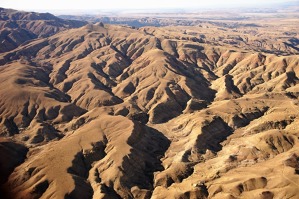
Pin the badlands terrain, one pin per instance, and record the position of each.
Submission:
(94, 110)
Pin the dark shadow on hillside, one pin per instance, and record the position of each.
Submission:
(11, 155)
(79, 170)
(148, 147)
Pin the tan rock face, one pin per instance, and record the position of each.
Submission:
(107, 111)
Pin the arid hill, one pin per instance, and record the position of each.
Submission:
(108, 111)
(261, 33)
(17, 27)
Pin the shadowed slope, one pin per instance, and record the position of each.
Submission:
(18, 27)
(118, 112)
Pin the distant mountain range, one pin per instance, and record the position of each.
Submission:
(17, 27)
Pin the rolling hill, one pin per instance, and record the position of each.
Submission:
(110, 111)
(18, 27)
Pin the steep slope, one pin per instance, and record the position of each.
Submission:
(101, 156)
(118, 112)
(17, 27)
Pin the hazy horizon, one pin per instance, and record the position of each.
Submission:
(76, 5)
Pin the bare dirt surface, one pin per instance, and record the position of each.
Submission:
(113, 111)
(17, 27)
